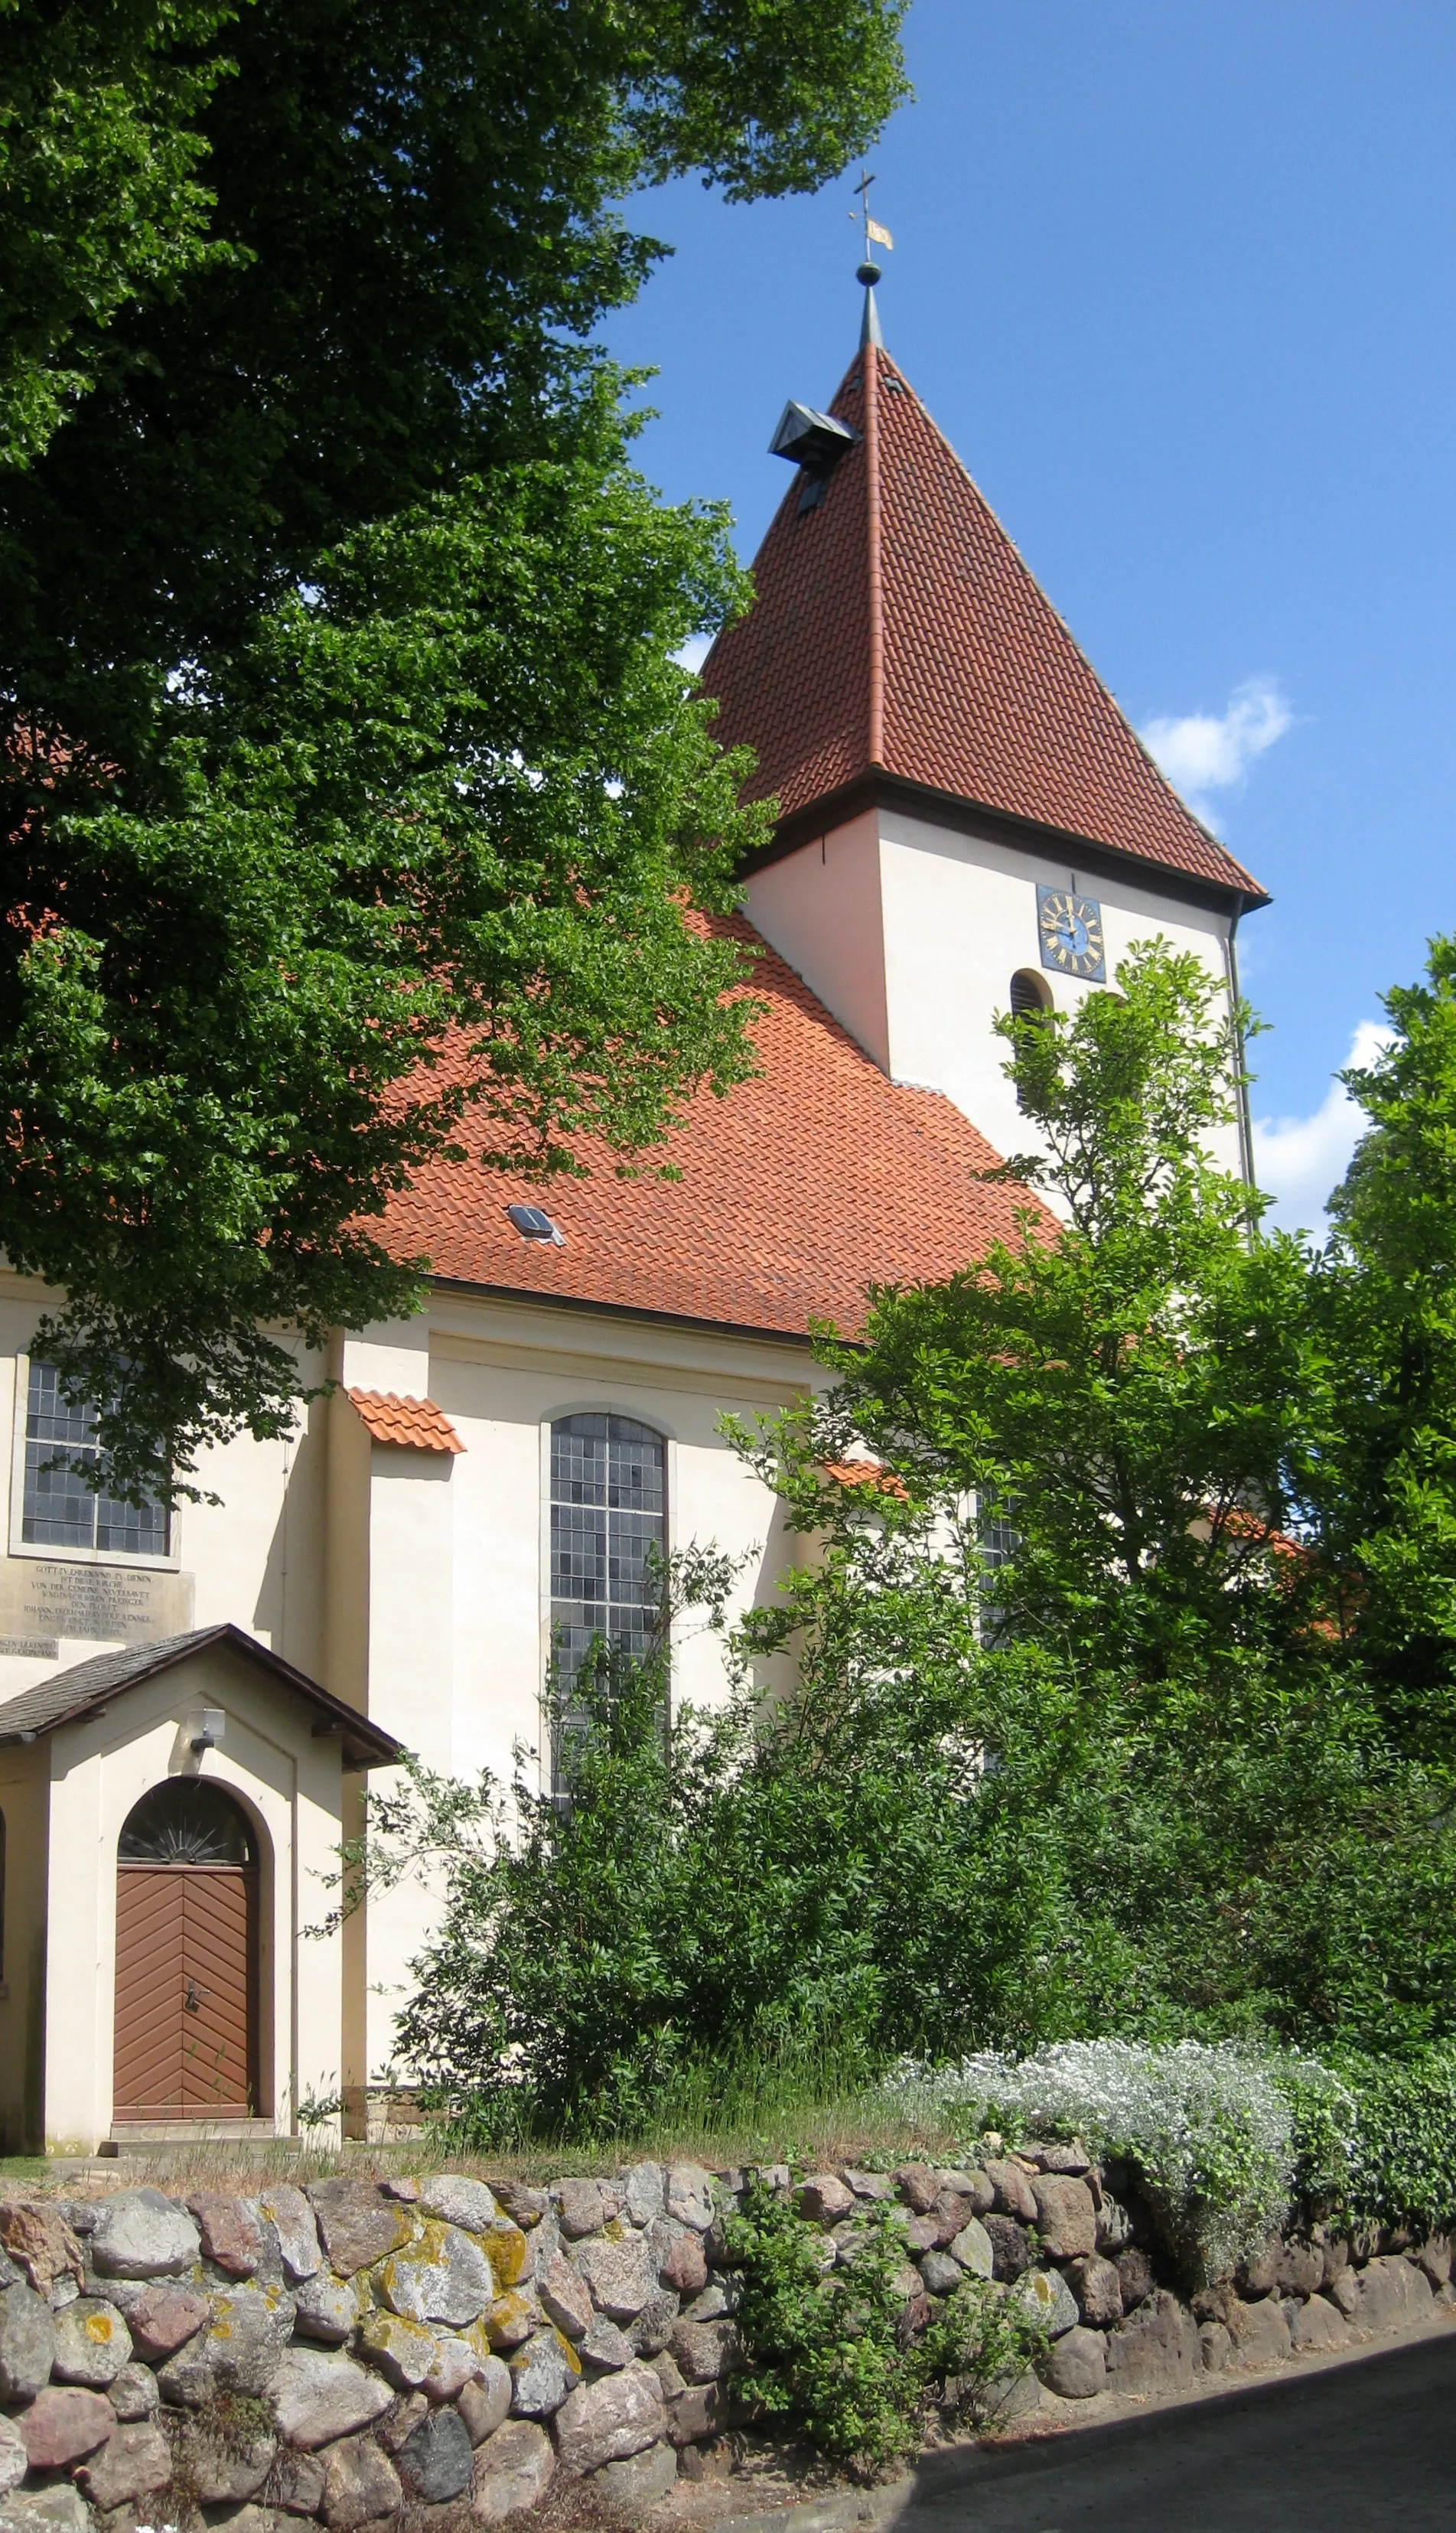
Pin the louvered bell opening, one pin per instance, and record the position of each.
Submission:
(1028, 995)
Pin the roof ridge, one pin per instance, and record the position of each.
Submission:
(870, 366)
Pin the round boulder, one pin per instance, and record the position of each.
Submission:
(513, 2472)
(441, 2276)
(27, 2343)
(1076, 2365)
(63, 2426)
(143, 2235)
(434, 2460)
(318, 2396)
(457, 2200)
(92, 2343)
(1047, 2297)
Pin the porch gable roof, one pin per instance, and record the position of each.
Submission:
(87, 1687)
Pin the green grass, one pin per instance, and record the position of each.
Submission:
(755, 2115)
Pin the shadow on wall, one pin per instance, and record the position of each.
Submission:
(288, 1612)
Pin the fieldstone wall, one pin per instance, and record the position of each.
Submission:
(358, 2351)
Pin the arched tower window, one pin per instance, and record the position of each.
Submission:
(1029, 994)
(1031, 999)
(608, 1515)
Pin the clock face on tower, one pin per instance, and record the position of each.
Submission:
(1070, 931)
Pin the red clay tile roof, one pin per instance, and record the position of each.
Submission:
(865, 1474)
(416, 1423)
(798, 1191)
(981, 692)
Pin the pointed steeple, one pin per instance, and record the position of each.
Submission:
(898, 639)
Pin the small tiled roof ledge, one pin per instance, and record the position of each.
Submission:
(411, 1424)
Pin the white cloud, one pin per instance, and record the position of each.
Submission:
(1301, 1161)
(1203, 753)
(694, 651)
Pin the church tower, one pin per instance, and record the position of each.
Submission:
(967, 820)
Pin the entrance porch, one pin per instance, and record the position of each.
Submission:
(170, 1817)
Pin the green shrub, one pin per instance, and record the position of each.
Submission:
(829, 2355)
(1402, 2152)
(1323, 2123)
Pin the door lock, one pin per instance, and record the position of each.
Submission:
(194, 2001)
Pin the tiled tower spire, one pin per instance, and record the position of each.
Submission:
(897, 636)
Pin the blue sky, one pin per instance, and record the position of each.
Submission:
(1178, 282)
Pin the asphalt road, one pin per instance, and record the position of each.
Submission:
(1353, 2449)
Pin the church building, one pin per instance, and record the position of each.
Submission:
(190, 1703)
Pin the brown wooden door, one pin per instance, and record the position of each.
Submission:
(186, 1991)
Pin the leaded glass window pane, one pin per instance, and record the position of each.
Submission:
(997, 1541)
(608, 1522)
(60, 1509)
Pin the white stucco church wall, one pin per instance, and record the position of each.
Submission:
(911, 934)
(457, 1584)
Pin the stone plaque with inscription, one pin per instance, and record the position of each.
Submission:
(117, 1605)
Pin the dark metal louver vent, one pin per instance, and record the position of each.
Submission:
(814, 440)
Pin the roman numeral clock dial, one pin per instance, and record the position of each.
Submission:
(1071, 932)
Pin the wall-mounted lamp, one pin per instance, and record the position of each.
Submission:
(209, 1728)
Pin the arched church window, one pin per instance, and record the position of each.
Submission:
(608, 1531)
(187, 1821)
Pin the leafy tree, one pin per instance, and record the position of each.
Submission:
(1135, 1384)
(1385, 1487)
(924, 1848)
(100, 152)
(415, 853)
(351, 803)
(414, 234)
(1137, 1781)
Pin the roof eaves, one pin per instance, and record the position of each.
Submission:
(881, 789)
(801, 1338)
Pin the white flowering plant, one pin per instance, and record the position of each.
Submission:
(1223, 2137)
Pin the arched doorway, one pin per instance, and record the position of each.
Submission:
(187, 1987)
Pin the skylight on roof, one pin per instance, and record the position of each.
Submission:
(533, 1223)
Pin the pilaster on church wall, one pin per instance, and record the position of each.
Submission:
(821, 908)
